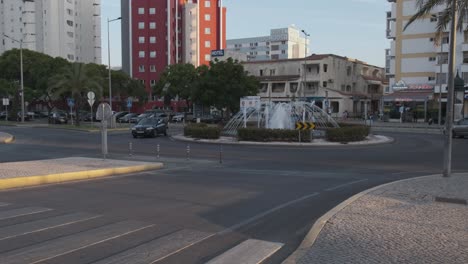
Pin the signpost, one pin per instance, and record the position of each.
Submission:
(103, 113)
(129, 103)
(6, 103)
(217, 53)
(71, 103)
(91, 100)
(303, 126)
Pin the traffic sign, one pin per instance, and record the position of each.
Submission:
(6, 101)
(129, 102)
(91, 95)
(71, 102)
(91, 102)
(305, 126)
(103, 111)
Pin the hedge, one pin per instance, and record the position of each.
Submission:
(267, 135)
(348, 133)
(202, 131)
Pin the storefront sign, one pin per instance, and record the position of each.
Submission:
(401, 85)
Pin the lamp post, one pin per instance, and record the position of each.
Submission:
(306, 35)
(108, 57)
(21, 70)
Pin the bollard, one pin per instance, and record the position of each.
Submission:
(130, 149)
(157, 151)
(220, 154)
(188, 152)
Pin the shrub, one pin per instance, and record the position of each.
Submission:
(348, 133)
(202, 131)
(266, 135)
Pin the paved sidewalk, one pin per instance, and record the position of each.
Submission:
(6, 138)
(396, 223)
(39, 172)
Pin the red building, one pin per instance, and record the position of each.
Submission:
(158, 33)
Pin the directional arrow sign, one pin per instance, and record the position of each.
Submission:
(305, 126)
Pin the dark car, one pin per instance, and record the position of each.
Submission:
(149, 127)
(58, 118)
(209, 119)
(137, 119)
(120, 114)
(26, 116)
(126, 118)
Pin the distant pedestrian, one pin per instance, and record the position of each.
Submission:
(415, 116)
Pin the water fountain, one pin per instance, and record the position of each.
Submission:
(279, 116)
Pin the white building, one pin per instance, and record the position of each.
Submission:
(282, 43)
(70, 29)
(347, 84)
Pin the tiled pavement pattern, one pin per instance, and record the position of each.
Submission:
(399, 223)
(45, 235)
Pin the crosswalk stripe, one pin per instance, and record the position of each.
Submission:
(251, 251)
(158, 249)
(64, 245)
(22, 212)
(43, 224)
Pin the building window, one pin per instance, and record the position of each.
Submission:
(141, 68)
(141, 54)
(152, 68)
(431, 78)
(432, 58)
(141, 25)
(152, 40)
(283, 42)
(207, 31)
(261, 72)
(325, 67)
(70, 34)
(69, 22)
(207, 57)
(207, 44)
(283, 52)
(152, 11)
(152, 82)
(465, 57)
(207, 3)
(141, 10)
(433, 18)
(348, 71)
(152, 25)
(207, 17)
(152, 54)
(141, 40)
(272, 72)
(324, 84)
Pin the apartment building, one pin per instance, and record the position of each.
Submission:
(282, 43)
(70, 29)
(156, 34)
(334, 82)
(415, 60)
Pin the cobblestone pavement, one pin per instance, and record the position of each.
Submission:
(55, 166)
(399, 223)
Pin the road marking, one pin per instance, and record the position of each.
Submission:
(251, 251)
(258, 216)
(68, 244)
(43, 224)
(344, 185)
(158, 249)
(4, 204)
(22, 212)
(409, 172)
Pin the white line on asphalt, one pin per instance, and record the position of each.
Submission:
(409, 172)
(274, 209)
(344, 185)
(4, 204)
(22, 212)
(92, 244)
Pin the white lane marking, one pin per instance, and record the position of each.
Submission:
(51, 227)
(258, 216)
(409, 172)
(344, 185)
(251, 251)
(93, 244)
(182, 248)
(22, 212)
(4, 204)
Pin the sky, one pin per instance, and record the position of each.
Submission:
(352, 28)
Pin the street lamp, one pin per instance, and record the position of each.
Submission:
(108, 55)
(21, 70)
(306, 35)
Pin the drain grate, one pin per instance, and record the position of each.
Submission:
(451, 200)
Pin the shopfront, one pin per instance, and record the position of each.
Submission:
(411, 104)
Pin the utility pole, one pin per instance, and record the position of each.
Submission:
(450, 94)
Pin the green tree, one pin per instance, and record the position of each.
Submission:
(426, 7)
(75, 81)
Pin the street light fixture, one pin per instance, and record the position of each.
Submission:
(21, 70)
(109, 60)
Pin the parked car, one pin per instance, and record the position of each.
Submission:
(126, 118)
(460, 128)
(210, 119)
(178, 117)
(40, 114)
(120, 114)
(58, 118)
(27, 117)
(137, 119)
(149, 127)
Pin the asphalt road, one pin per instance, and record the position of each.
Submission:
(197, 208)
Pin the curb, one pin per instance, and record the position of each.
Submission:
(314, 232)
(388, 140)
(28, 181)
(8, 138)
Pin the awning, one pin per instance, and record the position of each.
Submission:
(409, 96)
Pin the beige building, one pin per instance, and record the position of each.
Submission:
(341, 83)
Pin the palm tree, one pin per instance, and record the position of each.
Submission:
(425, 8)
(75, 81)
